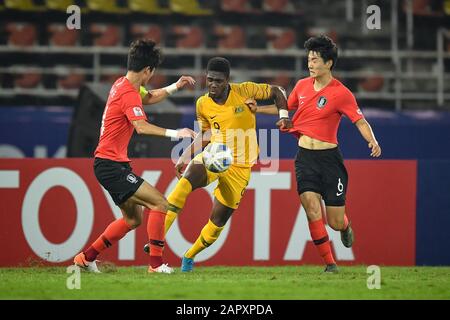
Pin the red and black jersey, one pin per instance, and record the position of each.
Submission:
(123, 106)
(319, 112)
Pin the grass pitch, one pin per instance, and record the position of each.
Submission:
(222, 283)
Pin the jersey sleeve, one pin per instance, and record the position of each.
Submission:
(132, 106)
(201, 117)
(348, 106)
(293, 98)
(258, 91)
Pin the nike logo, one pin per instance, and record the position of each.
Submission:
(339, 193)
(213, 117)
(302, 97)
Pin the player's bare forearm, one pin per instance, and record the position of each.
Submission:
(279, 96)
(155, 96)
(367, 133)
(267, 109)
(143, 127)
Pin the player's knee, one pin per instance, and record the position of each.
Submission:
(161, 205)
(336, 224)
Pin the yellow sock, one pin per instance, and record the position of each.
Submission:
(170, 218)
(177, 199)
(208, 236)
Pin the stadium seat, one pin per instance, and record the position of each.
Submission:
(230, 37)
(106, 35)
(189, 7)
(110, 78)
(23, 5)
(21, 34)
(281, 38)
(188, 37)
(147, 6)
(59, 5)
(61, 36)
(28, 80)
(372, 84)
(106, 6)
(239, 6)
(278, 6)
(147, 31)
(158, 81)
(71, 81)
(282, 80)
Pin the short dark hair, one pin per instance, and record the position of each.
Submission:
(325, 46)
(219, 64)
(142, 54)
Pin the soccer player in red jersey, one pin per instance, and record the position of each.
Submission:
(122, 115)
(320, 101)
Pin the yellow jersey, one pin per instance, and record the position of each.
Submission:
(233, 123)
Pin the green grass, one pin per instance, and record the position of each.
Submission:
(287, 282)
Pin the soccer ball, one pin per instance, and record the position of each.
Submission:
(217, 157)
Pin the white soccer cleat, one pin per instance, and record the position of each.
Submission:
(164, 268)
(90, 266)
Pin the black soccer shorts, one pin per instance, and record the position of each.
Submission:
(117, 178)
(323, 172)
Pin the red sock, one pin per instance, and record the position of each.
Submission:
(320, 238)
(113, 233)
(155, 231)
(345, 223)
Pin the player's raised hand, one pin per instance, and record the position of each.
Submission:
(185, 133)
(284, 124)
(375, 149)
(251, 104)
(183, 81)
(180, 167)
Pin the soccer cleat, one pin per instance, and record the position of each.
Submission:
(347, 236)
(147, 248)
(331, 268)
(187, 264)
(164, 268)
(80, 261)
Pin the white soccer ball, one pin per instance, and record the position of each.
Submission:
(217, 157)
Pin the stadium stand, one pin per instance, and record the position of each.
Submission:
(399, 66)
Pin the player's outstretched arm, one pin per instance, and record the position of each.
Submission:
(367, 133)
(265, 109)
(200, 141)
(157, 95)
(143, 127)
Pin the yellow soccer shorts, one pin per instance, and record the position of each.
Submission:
(232, 183)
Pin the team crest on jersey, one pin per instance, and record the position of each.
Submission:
(238, 109)
(137, 112)
(321, 102)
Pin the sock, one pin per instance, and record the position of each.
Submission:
(320, 238)
(170, 218)
(177, 199)
(345, 223)
(208, 236)
(113, 233)
(155, 231)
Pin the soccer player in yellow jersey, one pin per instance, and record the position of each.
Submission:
(224, 116)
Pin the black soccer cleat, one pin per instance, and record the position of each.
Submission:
(147, 248)
(347, 236)
(331, 268)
